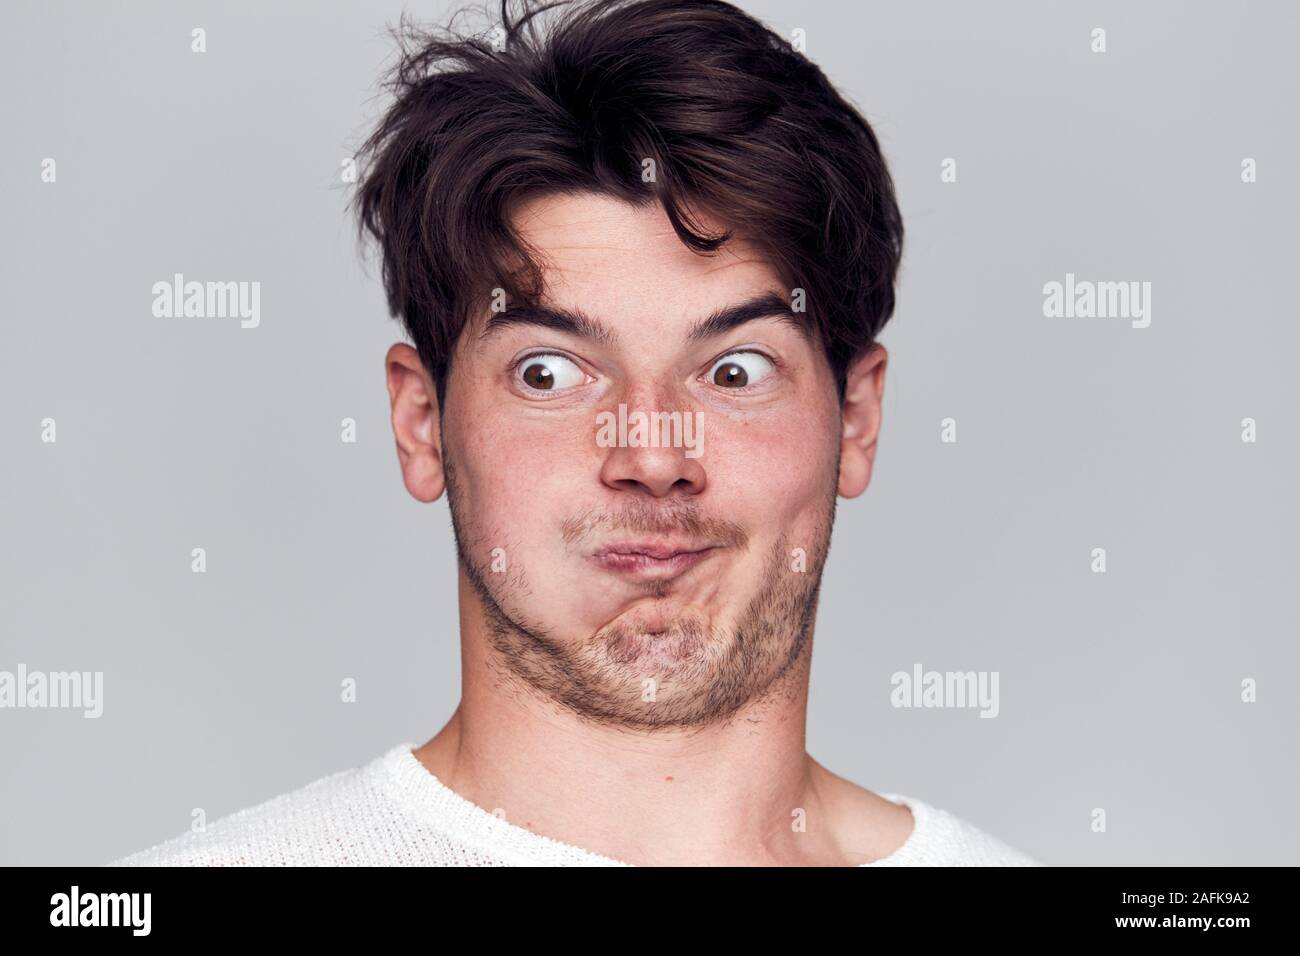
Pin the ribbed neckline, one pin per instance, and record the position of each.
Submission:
(497, 837)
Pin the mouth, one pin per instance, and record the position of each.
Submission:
(652, 560)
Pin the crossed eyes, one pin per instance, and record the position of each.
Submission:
(553, 372)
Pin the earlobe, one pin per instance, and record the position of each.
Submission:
(860, 419)
(415, 420)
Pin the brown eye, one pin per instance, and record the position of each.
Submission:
(539, 376)
(740, 369)
(730, 374)
(549, 373)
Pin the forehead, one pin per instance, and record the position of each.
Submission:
(604, 255)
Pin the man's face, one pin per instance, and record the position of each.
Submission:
(645, 586)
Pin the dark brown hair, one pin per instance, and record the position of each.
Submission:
(739, 125)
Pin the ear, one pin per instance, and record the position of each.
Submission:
(416, 424)
(860, 417)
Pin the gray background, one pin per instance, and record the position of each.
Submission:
(1118, 691)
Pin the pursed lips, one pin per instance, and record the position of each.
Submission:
(652, 559)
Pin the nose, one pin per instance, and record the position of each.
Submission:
(653, 451)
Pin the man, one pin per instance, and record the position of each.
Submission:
(643, 254)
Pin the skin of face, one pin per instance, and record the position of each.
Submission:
(537, 502)
(559, 602)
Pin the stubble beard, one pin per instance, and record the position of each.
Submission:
(690, 675)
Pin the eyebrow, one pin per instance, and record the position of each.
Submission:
(767, 305)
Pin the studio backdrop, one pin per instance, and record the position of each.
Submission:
(1085, 489)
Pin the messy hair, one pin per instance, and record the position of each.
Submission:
(578, 95)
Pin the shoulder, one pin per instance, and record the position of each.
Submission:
(315, 824)
(940, 838)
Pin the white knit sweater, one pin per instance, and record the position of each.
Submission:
(394, 812)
